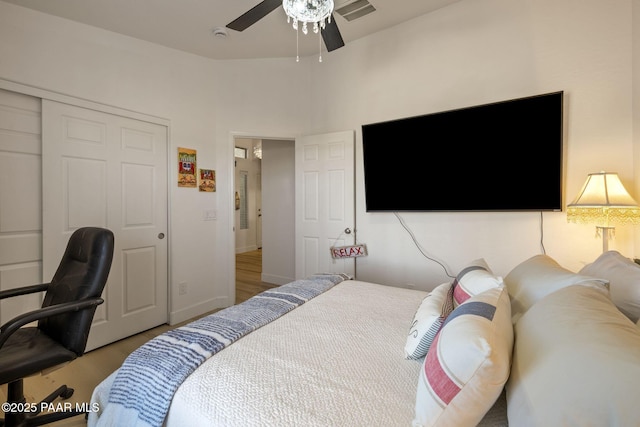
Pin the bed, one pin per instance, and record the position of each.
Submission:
(337, 359)
(535, 349)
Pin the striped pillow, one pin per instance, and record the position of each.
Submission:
(472, 280)
(468, 363)
(427, 321)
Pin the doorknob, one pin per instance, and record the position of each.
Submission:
(161, 236)
(347, 230)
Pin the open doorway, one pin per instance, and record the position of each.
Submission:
(247, 194)
(264, 201)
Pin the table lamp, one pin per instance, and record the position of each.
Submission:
(603, 201)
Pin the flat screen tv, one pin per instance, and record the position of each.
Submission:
(503, 156)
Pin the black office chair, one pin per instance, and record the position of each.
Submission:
(64, 321)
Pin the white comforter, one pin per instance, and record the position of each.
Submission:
(335, 361)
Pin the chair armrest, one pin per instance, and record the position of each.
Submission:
(9, 293)
(42, 313)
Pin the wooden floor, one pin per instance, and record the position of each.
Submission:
(248, 275)
(85, 373)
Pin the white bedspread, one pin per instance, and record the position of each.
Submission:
(143, 387)
(326, 363)
(337, 360)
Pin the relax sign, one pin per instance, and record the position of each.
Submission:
(348, 251)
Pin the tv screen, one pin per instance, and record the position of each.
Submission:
(503, 156)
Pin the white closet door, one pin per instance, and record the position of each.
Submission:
(109, 171)
(20, 201)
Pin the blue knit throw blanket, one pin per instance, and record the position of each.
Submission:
(145, 383)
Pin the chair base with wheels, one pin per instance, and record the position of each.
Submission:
(32, 416)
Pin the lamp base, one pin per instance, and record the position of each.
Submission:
(607, 233)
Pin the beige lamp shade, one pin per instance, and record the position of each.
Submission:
(603, 201)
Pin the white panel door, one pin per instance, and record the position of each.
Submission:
(325, 203)
(109, 171)
(20, 201)
(259, 210)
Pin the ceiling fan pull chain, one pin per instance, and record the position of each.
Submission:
(297, 45)
(320, 46)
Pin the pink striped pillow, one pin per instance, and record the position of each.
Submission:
(468, 362)
(476, 278)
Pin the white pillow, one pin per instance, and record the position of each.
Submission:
(576, 362)
(468, 363)
(624, 281)
(539, 276)
(427, 321)
(472, 280)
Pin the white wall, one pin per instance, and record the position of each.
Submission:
(635, 72)
(62, 56)
(472, 52)
(278, 207)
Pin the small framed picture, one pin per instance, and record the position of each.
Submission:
(207, 180)
(186, 167)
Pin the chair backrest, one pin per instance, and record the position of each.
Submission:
(82, 274)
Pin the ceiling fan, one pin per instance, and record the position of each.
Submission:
(330, 33)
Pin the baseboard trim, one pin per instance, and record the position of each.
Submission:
(276, 280)
(198, 310)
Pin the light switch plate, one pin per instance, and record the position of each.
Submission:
(209, 215)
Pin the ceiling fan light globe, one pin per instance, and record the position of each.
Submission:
(308, 10)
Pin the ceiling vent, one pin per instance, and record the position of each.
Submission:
(355, 9)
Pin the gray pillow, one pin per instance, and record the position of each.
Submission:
(624, 281)
(539, 276)
(576, 361)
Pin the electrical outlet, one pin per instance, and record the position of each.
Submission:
(182, 288)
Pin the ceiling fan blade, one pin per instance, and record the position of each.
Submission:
(255, 14)
(331, 35)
